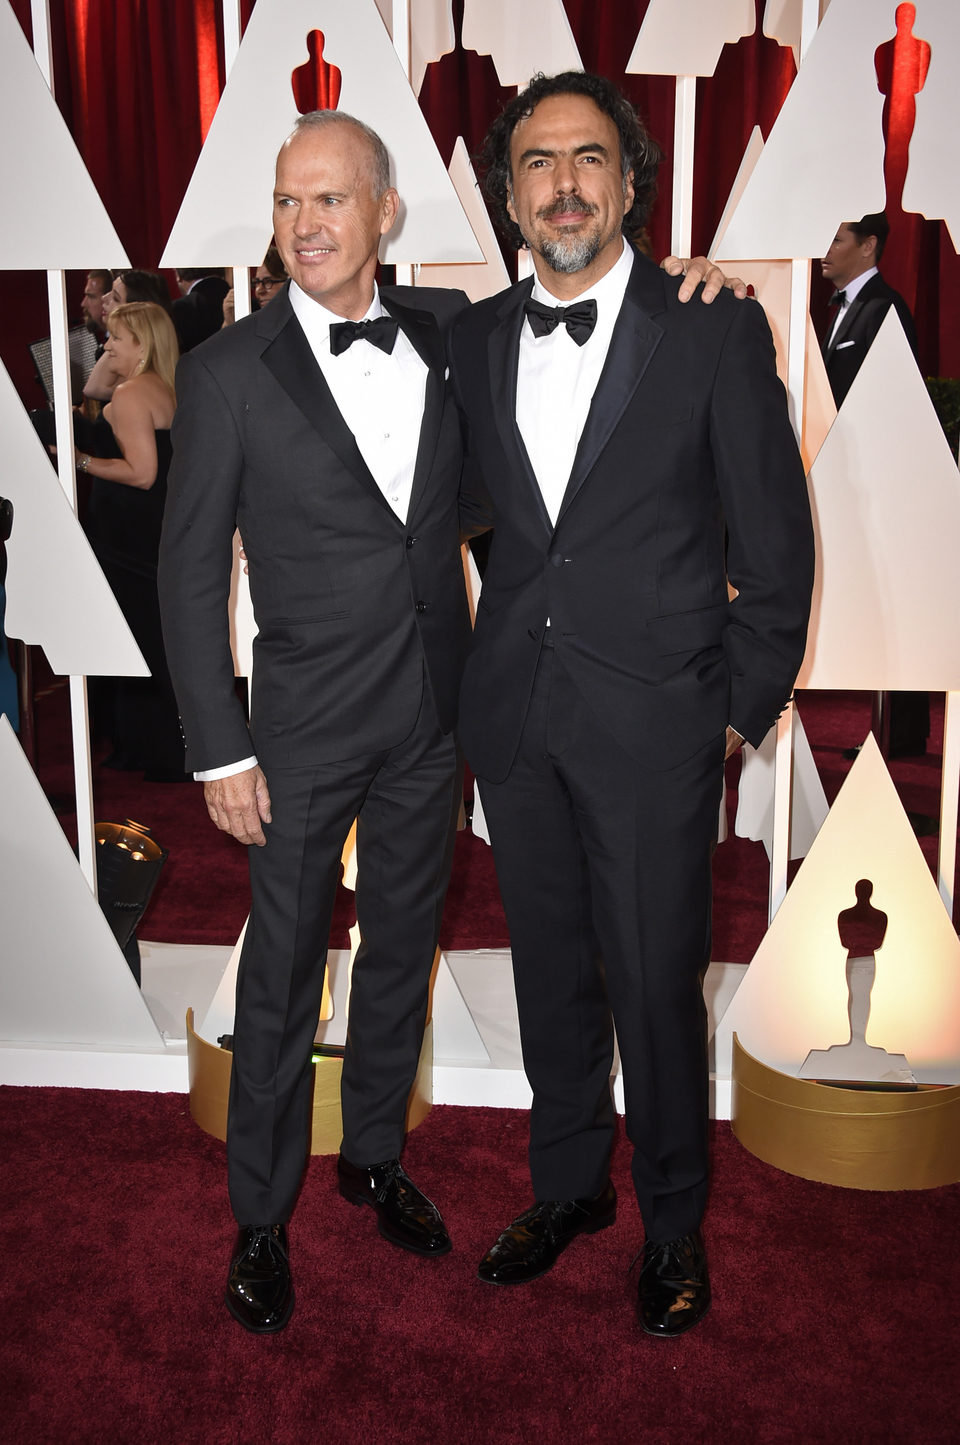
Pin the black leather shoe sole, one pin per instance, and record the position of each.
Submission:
(272, 1325)
(402, 1241)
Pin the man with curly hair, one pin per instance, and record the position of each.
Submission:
(617, 438)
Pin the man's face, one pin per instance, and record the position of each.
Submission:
(327, 219)
(91, 302)
(568, 194)
(848, 257)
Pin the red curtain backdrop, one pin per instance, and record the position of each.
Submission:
(138, 80)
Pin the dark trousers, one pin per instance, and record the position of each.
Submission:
(406, 801)
(604, 866)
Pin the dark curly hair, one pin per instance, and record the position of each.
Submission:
(639, 152)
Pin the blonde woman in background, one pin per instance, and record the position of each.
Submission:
(124, 518)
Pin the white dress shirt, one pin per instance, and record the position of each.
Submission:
(850, 293)
(556, 380)
(381, 399)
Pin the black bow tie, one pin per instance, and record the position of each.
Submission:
(579, 320)
(838, 298)
(381, 332)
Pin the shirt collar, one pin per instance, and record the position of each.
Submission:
(853, 288)
(316, 320)
(607, 292)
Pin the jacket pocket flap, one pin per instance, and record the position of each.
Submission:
(688, 631)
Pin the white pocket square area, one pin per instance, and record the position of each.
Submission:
(842, 344)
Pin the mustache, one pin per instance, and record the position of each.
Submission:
(564, 206)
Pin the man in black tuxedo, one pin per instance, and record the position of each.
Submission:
(198, 310)
(322, 427)
(614, 441)
(858, 308)
(860, 301)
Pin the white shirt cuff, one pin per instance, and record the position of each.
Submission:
(209, 775)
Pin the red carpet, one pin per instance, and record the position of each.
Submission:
(202, 895)
(835, 1312)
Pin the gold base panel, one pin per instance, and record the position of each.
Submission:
(209, 1070)
(861, 1139)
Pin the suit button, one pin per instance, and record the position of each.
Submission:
(412, 542)
(557, 561)
(422, 606)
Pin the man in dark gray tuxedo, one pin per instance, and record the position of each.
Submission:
(616, 438)
(322, 428)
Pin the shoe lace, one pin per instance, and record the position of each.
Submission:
(392, 1174)
(264, 1234)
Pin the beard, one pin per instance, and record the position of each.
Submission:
(569, 254)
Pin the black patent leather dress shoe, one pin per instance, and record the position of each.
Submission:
(674, 1290)
(404, 1216)
(534, 1242)
(259, 1288)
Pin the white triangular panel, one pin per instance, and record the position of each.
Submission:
(755, 794)
(57, 596)
(932, 186)
(489, 276)
(807, 181)
(751, 155)
(431, 33)
(521, 44)
(819, 407)
(781, 22)
(685, 37)
(227, 208)
(39, 161)
(63, 980)
(794, 996)
(886, 502)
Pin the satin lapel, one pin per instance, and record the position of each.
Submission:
(849, 316)
(636, 337)
(503, 353)
(289, 357)
(423, 332)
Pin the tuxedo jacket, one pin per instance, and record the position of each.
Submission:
(199, 313)
(687, 438)
(358, 612)
(862, 320)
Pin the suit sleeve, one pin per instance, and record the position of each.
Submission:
(770, 556)
(196, 559)
(476, 509)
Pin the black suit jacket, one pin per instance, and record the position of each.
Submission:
(199, 314)
(688, 434)
(862, 320)
(353, 606)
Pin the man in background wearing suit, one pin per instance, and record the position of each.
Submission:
(859, 305)
(321, 426)
(198, 311)
(862, 299)
(615, 435)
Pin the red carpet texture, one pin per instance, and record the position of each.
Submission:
(834, 1317)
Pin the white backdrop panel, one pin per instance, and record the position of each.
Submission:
(886, 500)
(489, 276)
(227, 208)
(794, 995)
(823, 161)
(685, 37)
(431, 33)
(63, 979)
(57, 596)
(543, 41)
(933, 179)
(40, 168)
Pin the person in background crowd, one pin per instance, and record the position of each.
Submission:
(198, 310)
(124, 518)
(96, 287)
(127, 287)
(270, 275)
